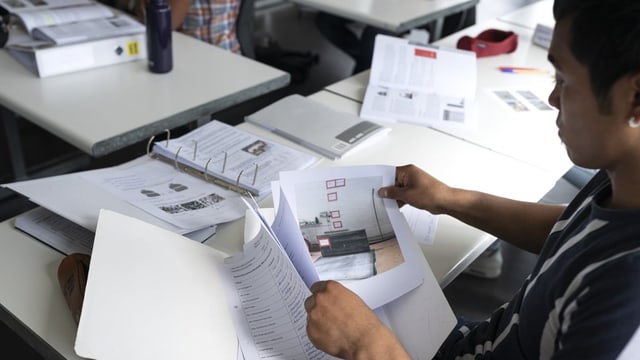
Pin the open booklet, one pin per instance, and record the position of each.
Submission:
(256, 295)
(418, 84)
(63, 22)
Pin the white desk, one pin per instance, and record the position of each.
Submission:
(105, 109)
(458, 163)
(529, 16)
(529, 137)
(35, 307)
(394, 16)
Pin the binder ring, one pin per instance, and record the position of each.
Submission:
(255, 174)
(149, 146)
(175, 159)
(151, 141)
(238, 179)
(206, 166)
(224, 162)
(195, 149)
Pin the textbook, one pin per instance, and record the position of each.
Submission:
(309, 123)
(62, 36)
(46, 60)
(68, 21)
(190, 301)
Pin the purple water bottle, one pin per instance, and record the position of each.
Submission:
(159, 50)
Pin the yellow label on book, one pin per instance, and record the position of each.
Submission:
(133, 48)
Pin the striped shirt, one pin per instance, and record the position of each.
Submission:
(213, 21)
(582, 299)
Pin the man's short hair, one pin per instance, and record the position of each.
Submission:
(605, 37)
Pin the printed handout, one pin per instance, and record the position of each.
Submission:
(421, 85)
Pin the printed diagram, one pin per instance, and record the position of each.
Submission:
(346, 228)
(196, 204)
(522, 100)
(256, 148)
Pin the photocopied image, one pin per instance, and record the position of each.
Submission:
(521, 100)
(346, 228)
(345, 232)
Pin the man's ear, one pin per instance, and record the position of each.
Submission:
(635, 83)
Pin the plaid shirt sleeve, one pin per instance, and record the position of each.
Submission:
(213, 21)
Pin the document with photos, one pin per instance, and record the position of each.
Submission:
(342, 230)
(176, 197)
(143, 188)
(233, 157)
(264, 286)
(421, 85)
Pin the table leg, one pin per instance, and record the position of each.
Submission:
(12, 133)
(437, 29)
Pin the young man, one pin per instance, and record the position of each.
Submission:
(581, 299)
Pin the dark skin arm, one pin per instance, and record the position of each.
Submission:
(340, 324)
(520, 223)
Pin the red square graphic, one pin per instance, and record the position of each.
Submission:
(335, 183)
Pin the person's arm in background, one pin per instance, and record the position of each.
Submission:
(523, 224)
(179, 9)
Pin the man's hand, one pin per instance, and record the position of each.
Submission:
(341, 324)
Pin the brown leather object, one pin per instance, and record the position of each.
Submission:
(72, 277)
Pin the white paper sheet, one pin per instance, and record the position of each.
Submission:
(420, 85)
(176, 197)
(347, 196)
(152, 294)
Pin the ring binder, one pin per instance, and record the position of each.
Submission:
(192, 153)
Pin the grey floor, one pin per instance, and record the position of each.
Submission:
(292, 28)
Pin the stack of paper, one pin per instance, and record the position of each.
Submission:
(257, 295)
(167, 194)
